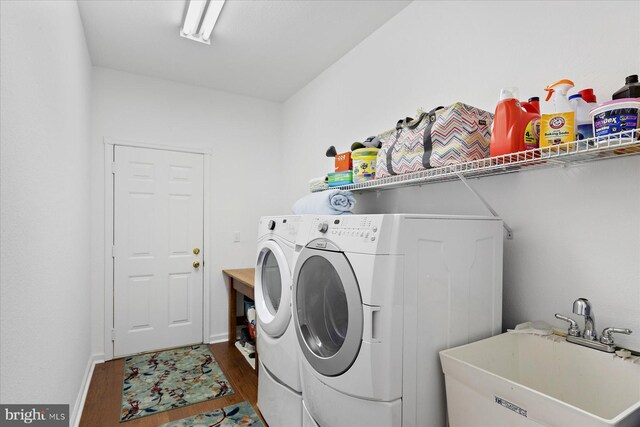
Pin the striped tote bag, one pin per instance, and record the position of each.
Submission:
(461, 133)
(389, 140)
(403, 151)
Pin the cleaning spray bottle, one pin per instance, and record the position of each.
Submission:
(514, 129)
(558, 122)
(583, 119)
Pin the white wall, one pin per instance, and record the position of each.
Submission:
(577, 230)
(244, 135)
(45, 248)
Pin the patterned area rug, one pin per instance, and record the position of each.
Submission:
(241, 414)
(157, 382)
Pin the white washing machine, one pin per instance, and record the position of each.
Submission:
(307, 419)
(376, 297)
(279, 389)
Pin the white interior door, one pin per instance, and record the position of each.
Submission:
(158, 228)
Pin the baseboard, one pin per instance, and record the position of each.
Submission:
(94, 359)
(98, 358)
(216, 338)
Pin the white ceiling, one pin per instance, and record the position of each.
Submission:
(267, 49)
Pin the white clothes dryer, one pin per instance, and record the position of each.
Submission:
(376, 297)
(279, 389)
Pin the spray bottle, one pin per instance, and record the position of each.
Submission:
(558, 122)
(514, 129)
(583, 119)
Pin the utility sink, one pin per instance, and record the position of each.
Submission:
(528, 380)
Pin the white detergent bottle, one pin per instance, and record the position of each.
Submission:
(583, 119)
(558, 121)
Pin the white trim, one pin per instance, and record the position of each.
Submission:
(78, 406)
(109, 150)
(108, 250)
(216, 338)
(207, 255)
(140, 144)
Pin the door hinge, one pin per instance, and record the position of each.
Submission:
(113, 335)
(113, 167)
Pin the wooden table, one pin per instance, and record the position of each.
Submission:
(240, 280)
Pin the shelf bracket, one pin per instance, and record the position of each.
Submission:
(486, 205)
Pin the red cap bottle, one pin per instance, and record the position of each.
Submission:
(588, 95)
(514, 129)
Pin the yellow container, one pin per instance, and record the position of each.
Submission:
(364, 164)
(557, 128)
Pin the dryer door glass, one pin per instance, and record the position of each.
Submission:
(273, 288)
(328, 311)
(271, 282)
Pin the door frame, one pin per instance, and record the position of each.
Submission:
(109, 217)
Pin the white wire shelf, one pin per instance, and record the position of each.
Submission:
(611, 146)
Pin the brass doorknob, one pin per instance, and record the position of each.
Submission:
(196, 264)
(196, 251)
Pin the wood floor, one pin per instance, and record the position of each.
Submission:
(102, 407)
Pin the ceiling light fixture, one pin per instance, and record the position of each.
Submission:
(200, 19)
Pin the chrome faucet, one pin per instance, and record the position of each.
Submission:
(582, 307)
(588, 338)
(607, 334)
(574, 329)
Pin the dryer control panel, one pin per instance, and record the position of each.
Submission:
(285, 227)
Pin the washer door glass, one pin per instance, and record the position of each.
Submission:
(328, 310)
(322, 307)
(271, 282)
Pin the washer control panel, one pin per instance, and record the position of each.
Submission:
(360, 227)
